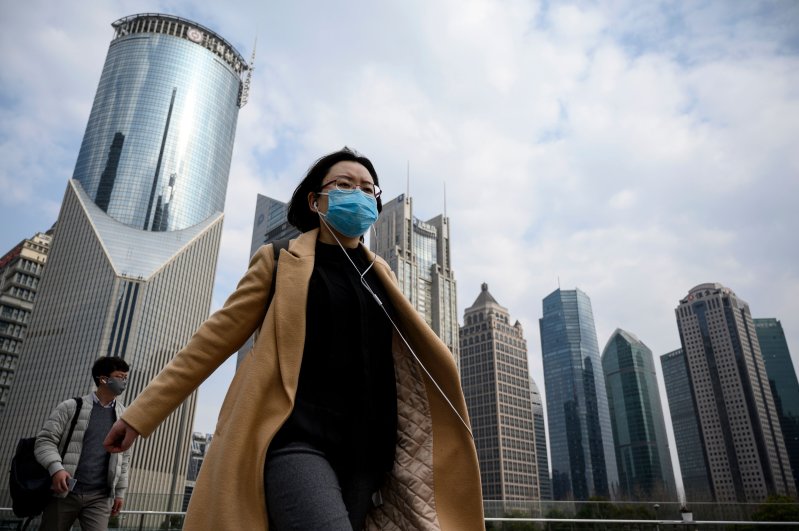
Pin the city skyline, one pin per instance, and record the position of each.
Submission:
(648, 126)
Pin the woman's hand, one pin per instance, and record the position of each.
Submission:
(120, 437)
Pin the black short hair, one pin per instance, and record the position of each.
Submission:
(106, 365)
(299, 214)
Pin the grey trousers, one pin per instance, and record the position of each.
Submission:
(304, 492)
(91, 510)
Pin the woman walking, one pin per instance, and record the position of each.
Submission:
(348, 412)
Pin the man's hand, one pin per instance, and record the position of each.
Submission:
(60, 485)
(117, 506)
(120, 437)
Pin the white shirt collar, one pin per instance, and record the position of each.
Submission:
(96, 400)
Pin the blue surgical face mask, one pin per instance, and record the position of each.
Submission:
(350, 213)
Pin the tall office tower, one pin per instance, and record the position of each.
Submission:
(544, 482)
(132, 264)
(784, 386)
(691, 448)
(580, 436)
(418, 252)
(20, 271)
(269, 224)
(496, 385)
(639, 431)
(739, 424)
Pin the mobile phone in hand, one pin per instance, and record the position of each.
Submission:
(71, 483)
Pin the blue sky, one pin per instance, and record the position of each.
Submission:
(631, 149)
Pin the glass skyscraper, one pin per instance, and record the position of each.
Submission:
(580, 436)
(419, 253)
(738, 421)
(784, 386)
(539, 422)
(131, 268)
(691, 449)
(496, 386)
(639, 431)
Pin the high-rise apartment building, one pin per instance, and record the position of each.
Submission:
(539, 423)
(784, 386)
(580, 435)
(270, 224)
(496, 385)
(639, 431)
(691, 449)
(132, 263)
(418, 252)
(20, 271)
(745, 449)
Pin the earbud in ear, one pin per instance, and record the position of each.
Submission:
(315, 205)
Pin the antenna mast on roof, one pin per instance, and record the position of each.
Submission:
(445, 198)
(245, 87)
(408, 179)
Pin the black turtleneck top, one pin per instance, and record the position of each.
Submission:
(346, 402)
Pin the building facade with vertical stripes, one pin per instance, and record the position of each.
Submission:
(691, 450)
(744, 444)
(134, 253)
(419, 253)
(496, 384)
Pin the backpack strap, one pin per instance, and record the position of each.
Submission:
(277, 245)
(78, 405)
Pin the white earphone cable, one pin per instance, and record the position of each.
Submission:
(380, 303)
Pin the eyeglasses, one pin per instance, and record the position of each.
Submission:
(346, 184)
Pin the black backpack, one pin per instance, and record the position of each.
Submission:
(29, 482)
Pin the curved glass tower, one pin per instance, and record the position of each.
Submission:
(639, 430)
(131, 268)
(157, 148)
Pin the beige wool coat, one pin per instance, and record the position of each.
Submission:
(435, 481)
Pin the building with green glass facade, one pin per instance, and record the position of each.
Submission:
(639, 431)
(580, 433)
(784, 386)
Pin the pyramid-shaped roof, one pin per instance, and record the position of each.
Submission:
(485, 299)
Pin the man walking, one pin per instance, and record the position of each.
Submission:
(89, 483)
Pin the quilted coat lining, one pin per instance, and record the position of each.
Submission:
(408, 495)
